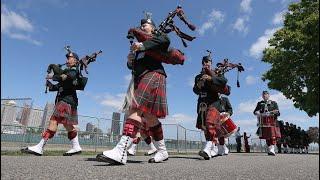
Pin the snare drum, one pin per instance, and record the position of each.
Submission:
(227, 127)
(268, 126)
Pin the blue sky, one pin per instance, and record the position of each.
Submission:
(34, 33)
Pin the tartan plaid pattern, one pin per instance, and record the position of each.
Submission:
(269, 128)
(64, 114)
(269, 132)
(150, 94)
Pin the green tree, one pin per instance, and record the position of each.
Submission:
(313, 133)
(294, 56)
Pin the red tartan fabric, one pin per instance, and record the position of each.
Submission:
(151, 96)
(212, 123)
(48, 134)
(271, 141)
(131, 128)
(65, 114)
(269, 132)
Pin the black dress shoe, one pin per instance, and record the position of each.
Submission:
(28, 151)
(103, 158)
(204, 155)
(154, 161)
(70, 154)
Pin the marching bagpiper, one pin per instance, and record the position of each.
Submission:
(208, 86)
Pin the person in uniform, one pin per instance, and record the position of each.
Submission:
(207, 86)
(65, 111)
(286, 137)
(268, 109)
(150, 97)
(280, 141)
(225, 108)
(246, 142)
(238, 140)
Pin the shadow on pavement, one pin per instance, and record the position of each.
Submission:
(108, 164)
(184, 157)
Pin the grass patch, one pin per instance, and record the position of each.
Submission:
(84, 153)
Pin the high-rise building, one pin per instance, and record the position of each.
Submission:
(25, 114)
(115, 126)
(90, 127)
(35, 118)
(47, 112)
(8, 112)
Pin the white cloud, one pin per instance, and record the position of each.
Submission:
(240, 25)
(24, 37)
(245, 6)
(282, 101)
(251, 68)
(214, 18)
(251, 80)
(278, 18)
(257, 47)
(180, 118)
(250, 105)
(113, 101)
(16, 26)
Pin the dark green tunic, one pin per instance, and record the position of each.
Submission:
(67, 91)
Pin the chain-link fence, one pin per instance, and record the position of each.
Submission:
(22, 126)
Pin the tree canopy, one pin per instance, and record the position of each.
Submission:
(294, 56)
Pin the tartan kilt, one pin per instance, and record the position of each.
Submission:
(150, 94)
(210, 116)
(64, 114)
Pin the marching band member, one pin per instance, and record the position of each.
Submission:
(268, 109)
(150, 96)
(225, 109)
(207, 86)
(65, 111)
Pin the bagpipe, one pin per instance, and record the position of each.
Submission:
(82, 64)
(224, 67)
(172, 55)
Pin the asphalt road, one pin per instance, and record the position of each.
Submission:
(234, 166)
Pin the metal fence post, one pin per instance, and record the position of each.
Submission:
(97, 133)
(185, 140)
(177, 138)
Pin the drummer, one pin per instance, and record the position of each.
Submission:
(269, 130)
(225, 109)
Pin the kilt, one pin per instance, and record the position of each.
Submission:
(268, 132)
(210, 116)
(64, 114)
(150, 94)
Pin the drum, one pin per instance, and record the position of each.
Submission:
(268, 126)
(227, 126)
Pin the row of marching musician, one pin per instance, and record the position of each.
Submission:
(146, 100)
(293, 139)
